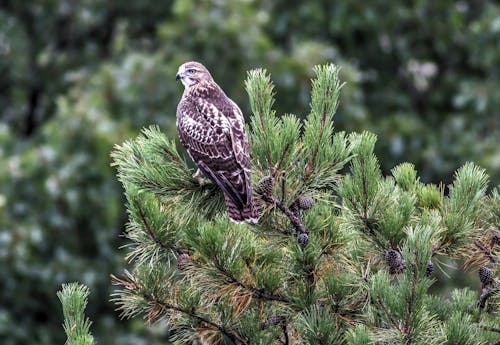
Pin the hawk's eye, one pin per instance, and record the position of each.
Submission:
(191, 71)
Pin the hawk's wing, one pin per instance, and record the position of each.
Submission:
(239, 138)
(214, 144)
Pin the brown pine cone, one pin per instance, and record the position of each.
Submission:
(266, 184)
(303, 239)
(495, 239)
(393, 258)
(305, 202)
(430, 269)
(485, 275)
(182, 261)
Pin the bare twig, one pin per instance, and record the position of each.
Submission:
(285, 333)
(283, 185)
(485, 250)
(489, 328)
(485, 294)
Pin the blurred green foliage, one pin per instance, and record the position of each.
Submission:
(80, 76)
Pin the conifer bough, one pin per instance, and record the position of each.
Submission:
(353, 268)
(73, 298)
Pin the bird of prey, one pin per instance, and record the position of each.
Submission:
(212, 129)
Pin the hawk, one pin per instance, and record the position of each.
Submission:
(212, 129)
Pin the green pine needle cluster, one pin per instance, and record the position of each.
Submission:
(341, 253)
(73, 298)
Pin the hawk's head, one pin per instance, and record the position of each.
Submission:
(191, 73)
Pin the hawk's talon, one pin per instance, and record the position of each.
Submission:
(198, 176)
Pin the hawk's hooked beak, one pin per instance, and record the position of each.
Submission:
(178, 76)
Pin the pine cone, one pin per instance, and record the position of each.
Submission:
(485, 275)
(430, 269)
(266, 184)
(393, 258)
(305, 202)
(495, 240)
(182, 261)
(303, 239)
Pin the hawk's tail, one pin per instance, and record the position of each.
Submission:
(249, 213)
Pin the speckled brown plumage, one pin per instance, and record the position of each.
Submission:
(212, 129)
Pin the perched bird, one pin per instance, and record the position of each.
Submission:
(212, 129)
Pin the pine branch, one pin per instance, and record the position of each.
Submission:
(388, 314)
(175, 158)
(486, 251)
(285, 153)
(319, 125)
(285, 333)
(153, 235)
(151, 163)
(294, 219)
(260, 91)
(490, 329)
(410, 303)
(235, 277)
(437, 248)
(365, 196)
(324, 251)
(148, 298)
(362, 191)
(485, 294)
(368, 225)
(73, 298)
(311, 281)
(231, 334)
(283, 185)
(147, 226)
(266, 191)
(462, 207)
(268, 150)
(258, 293)
(312, 162)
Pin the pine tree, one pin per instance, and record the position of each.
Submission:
(341, 254)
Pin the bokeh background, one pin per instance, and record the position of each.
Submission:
(78, 76)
